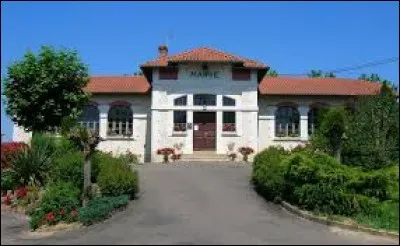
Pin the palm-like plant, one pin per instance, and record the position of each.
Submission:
(31, 166)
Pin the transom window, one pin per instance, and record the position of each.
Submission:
(120, 121)
(179, 121)
(205, 99)
(228, 121)
(227, 101)
(90, 118)
(287, 122)
(180, 101)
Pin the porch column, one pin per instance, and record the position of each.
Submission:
(103, 120)
(219, 148)
(303, 110)
(189, 136)
(270, 117)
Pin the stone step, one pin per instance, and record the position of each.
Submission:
(204, 156)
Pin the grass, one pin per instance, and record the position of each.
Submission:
(386, 217)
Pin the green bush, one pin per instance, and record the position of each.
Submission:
(118, 179)
(59, 203)
(100, 208)
(9, 181)
(268, 173)
(69, 168)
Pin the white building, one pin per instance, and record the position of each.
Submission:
(205, 99)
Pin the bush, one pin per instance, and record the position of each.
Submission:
(268, 173)
(9, 181)
(9, 150)
(117, 179)
(100, 208)
(31, 165)
(69, 168)
(59, 203)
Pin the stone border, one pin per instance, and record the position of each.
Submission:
(354, 227)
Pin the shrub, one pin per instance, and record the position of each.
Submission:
(69, 168)
(8, 180)
(268, 173)
(8, 151)
(59, 203)
(117, 178)
(100, 208)
(31, 165)
(130, 157)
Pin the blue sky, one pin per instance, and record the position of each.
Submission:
(113, 38)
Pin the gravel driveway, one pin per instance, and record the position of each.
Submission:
(204, 203)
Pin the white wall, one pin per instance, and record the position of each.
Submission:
(266, 118)
(165, 91)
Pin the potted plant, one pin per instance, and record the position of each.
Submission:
(177, 151)
(231, 153)
(165, 152)
(246, 151)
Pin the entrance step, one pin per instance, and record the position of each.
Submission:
(203, 156)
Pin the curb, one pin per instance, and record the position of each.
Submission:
(307, 215)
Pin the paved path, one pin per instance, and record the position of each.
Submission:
(204, 203)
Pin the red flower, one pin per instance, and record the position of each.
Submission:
(21, 192)
(62, 212)
(50, 216)
(8, 150)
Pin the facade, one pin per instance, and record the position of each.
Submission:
(205, 99)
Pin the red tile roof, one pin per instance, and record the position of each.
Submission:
(118, 84)
(204, 54)
(317, 86)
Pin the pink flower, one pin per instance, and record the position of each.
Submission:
(50, 216)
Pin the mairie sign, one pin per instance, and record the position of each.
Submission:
(205, 74)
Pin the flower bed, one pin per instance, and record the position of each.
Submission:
(8, 150)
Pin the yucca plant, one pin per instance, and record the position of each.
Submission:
(32, 165)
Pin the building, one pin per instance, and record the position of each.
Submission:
(205, 99)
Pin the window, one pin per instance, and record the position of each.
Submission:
(120, 121)
(179, 121)
(180, 101)
(205, 99)
(90, 118)
(313, 122)
(287, 122)
(240, 74)
(228, 121)
(170, 73)
(227, 101)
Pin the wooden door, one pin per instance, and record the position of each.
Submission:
(204, 131)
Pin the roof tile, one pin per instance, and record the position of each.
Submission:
(118, 84)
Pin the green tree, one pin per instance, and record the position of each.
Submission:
(330, 134)
(388, 87)
(139, 73)
(329, 75)
(373, 132)
(41, 89)
(315, 74)
(272, 73)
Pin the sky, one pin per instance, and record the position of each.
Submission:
(114, 38)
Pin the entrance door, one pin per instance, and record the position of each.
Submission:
(204, 131)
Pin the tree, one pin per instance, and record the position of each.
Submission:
(330, 134)
(139, 73)
(41, 89)
(87, 142)
(373, 132)
(319, 74)
(388, 87)
(315, 74)
(272, 73)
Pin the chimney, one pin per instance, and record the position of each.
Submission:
(162, 51)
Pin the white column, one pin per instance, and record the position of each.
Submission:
(270, 117)
(303, 110)
(190, 100)
(189, 137)
(219, 147)
(103, 120)
(219, 101)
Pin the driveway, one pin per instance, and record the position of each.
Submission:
(204, 203)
